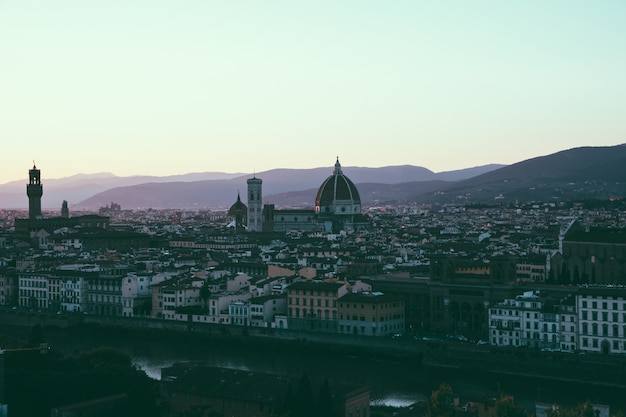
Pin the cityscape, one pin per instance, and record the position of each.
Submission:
(530, 289)
(312, 209)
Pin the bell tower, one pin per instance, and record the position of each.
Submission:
(34, 191)
(255, 204)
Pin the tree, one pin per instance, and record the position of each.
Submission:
(287, 405)
(36, 335)
(303, 406)
(441, 402)
(580, 410)
(82, 377)
(205, 292)
(505, 407)
(325, 401)
(198, 411)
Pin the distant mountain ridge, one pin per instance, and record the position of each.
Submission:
(277, 184)
(579, 173)
(574, 174)
(211, 189)
(79, 187)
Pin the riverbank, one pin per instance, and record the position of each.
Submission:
(606, 370)
(395, 378)
(400, 371)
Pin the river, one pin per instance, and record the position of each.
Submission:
(391, 383)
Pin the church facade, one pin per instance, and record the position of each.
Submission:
(337, 208)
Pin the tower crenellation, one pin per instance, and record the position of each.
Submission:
(34, 191)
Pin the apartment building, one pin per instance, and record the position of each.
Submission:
(370, 314)
(179, 296)
(73, 294)
(239, 312)
(313, 305)
(33, 290)
(590, 319)
(263, 310)
(137, 292)
(219, 307)
(602, 319)
(531, 269)
(529, 320)
(569, 326)
(8, 288)
(505, 323)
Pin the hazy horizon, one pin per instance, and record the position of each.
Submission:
(166, 88)
(44, 178)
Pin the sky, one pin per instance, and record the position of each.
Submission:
(167, 87)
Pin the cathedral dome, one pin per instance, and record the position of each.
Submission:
(338, 195)
(238, 209)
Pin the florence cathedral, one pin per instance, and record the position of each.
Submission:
(337, 208)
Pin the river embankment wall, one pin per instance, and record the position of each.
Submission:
(595, 369)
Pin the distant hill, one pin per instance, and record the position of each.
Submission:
(83, 186)
(278, 184)
(579, 173)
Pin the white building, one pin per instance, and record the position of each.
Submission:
(137, 292)
(239, 312)
(525, 321)
(263, 310)
(73, 294)
(602, 319)
(591, 319)
(219, 305)
(505, 323)
(238, 282)
(33, 291)
(179, 296)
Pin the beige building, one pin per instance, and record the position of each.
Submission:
(313, 305)
(370, 314)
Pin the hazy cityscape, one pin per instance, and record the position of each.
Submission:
(299, 209)
(533, 290)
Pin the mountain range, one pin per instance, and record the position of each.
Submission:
(574, 174)
(579, 173)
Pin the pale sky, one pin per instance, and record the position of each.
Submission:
(163, 87)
